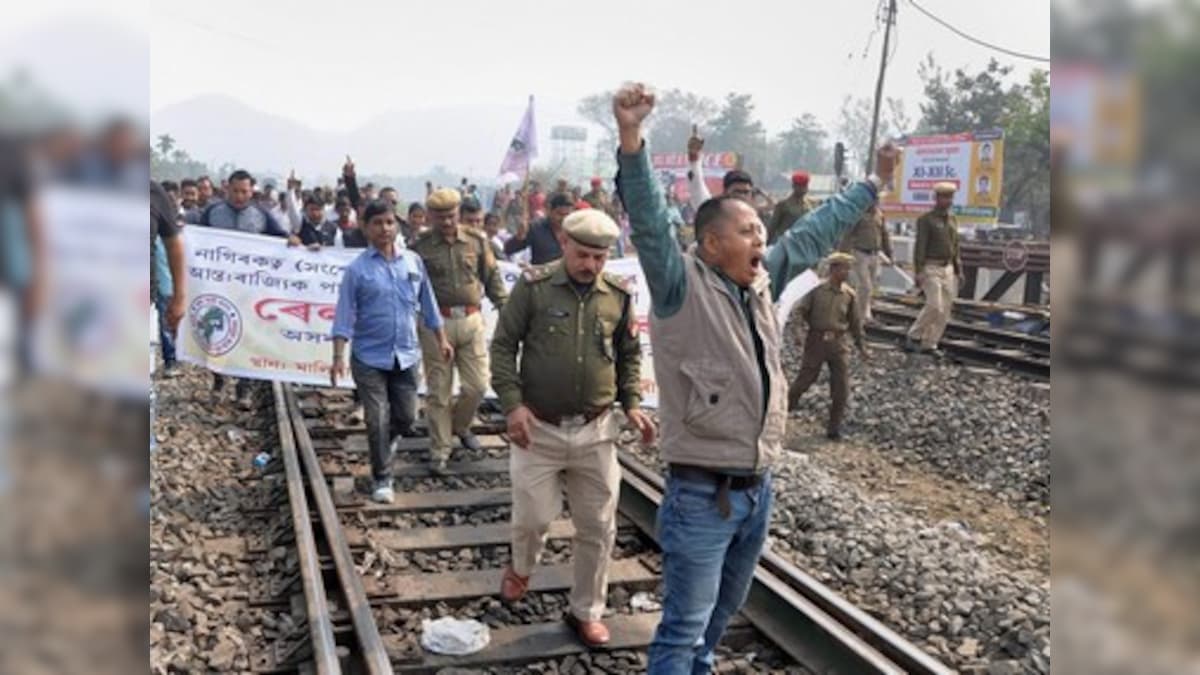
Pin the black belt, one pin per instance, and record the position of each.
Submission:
(724, 482)
(867, 251)
(578, 420)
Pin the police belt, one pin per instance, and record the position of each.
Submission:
(724, 482)
(827, 334)
(459, 312)
(570, 421)
(868, 251)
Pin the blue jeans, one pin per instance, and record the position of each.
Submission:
(166, 341)
(708, 564)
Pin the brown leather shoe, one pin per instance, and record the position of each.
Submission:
(513, 586)
(591, 633)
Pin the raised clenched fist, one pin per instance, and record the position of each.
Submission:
(885, 161)
(631, 104)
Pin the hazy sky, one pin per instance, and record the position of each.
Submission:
(334, 65)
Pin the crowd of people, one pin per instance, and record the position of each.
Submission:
(565, 356)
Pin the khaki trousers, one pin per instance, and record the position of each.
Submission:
(467, 337)
(940, 288)
(582, 460)
(862, 277)
(820, 348)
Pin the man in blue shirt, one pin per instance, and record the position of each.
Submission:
(384, 292)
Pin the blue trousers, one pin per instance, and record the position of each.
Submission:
(166, 341)
(708, 564)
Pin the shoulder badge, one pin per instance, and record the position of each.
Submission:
(535, 273)
(623, 284)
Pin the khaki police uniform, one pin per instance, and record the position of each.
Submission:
(865, 241)
(579, 352)
(936, 255)
(829, 312)
(461, 271)
(787, 212)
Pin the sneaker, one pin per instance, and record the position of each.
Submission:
(171, 370)
(438, 466)
(383, 494)
(470, 441)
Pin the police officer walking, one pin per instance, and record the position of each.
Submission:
(937, 265)
(865, 241)
(829, 311)
(576, 330)
(461, 268)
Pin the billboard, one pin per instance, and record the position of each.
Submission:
(973, 161)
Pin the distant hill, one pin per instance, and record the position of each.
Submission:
(467, 140)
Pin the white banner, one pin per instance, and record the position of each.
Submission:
(92, 330)
(259, 309)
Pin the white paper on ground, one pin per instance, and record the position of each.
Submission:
(456, 637)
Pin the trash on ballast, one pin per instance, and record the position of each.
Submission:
(261, 460)
(456, 637)
(644, 602)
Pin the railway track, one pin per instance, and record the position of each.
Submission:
(969, 339)
(366, 575)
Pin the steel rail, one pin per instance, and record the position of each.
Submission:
(1039, 368)
(320, 624)
(813, 624)
(1035, 345)
(372, 652)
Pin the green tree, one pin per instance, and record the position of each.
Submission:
(174, 165)
(165, 143)
(854, 127)
(675, 112)
(805, 146)
(962, 101)
(735, 129)
(597, 109)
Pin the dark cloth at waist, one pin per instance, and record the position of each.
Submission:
(699, 474)
(586, 416)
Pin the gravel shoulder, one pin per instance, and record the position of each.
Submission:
(1003, 530)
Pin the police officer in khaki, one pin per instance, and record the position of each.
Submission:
(937, 266)
(462, 269)
(830, 311)
(865, 241)
(576, 331)
(788, 211)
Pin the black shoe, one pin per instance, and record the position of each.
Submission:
(932, 351)
(909, 346)
(834, 435)
(470, 442)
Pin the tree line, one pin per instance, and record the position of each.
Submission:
(954, 101)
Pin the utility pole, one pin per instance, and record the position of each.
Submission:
(887, 34)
